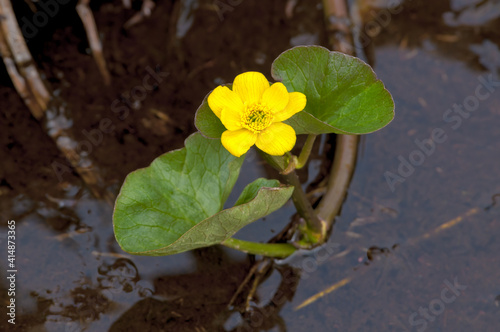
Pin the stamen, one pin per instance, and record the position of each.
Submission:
(257, 117)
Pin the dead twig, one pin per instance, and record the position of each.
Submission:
(20, 64)
(146, 10)
(328, 290)
(337, 25)
(30, 86)
(89, 24)
(18, 80)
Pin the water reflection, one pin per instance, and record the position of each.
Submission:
(199, 301)
(471, 12)
(455, 29)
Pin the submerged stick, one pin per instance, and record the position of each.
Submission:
(319, 295)
(411, 242)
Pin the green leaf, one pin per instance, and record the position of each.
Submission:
(343, 93)
(175, 204)
(207, 122)
(223, 225)
(305, 123)
(253, 188)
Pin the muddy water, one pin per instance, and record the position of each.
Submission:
(395, 265)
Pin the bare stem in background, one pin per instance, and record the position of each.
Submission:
(93, 37)
(36, 96)
(337, 25)
(20, 64)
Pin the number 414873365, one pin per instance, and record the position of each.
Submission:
(11, 244)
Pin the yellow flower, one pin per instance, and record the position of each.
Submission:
(253, 113)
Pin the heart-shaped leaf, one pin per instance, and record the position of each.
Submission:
(343, 93)
(175, 204)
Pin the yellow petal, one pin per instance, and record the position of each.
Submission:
(275, 97)
(250, 86)
(296, 103)
(277, 139)
(231, 119)
(222, 97)
(238, 142)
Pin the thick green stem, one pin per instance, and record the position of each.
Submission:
(316, 228)
(298, 163)
(277, 250)
(306, 151)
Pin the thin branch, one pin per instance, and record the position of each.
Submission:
(146, 10)
(30, 86)
(20, 64)
(18, 80)
(337, 25)
(89, 24)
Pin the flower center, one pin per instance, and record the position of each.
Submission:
(257, 117)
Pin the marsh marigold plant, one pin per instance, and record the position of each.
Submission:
(180, 202)
(252, 113)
